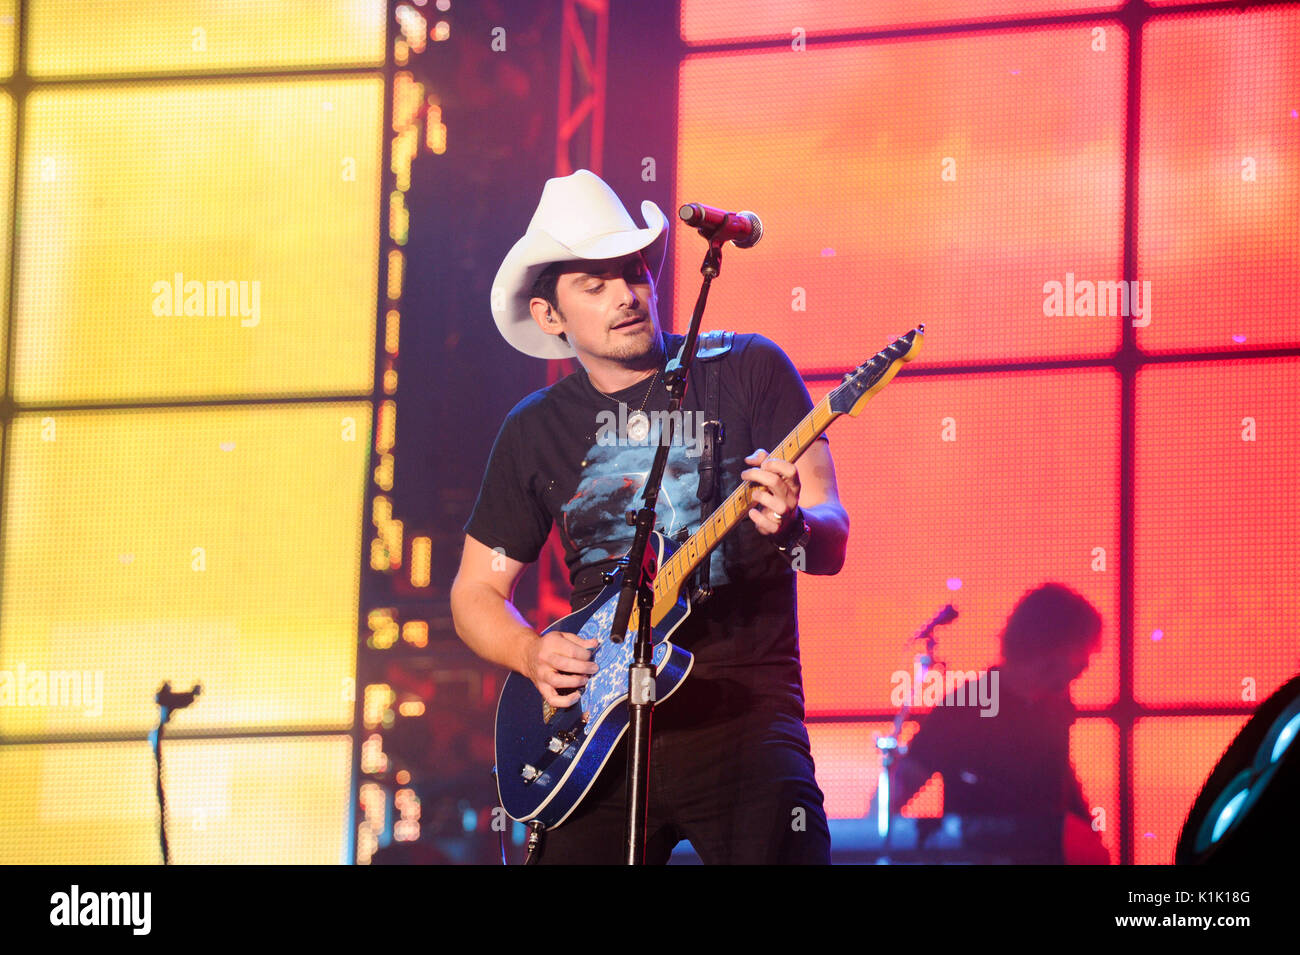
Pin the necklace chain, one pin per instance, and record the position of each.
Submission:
(646, 399)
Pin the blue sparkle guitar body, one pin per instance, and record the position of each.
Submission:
(547, 759)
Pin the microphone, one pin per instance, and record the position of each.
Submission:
(171, 699)
(947, 615)
(744, 229)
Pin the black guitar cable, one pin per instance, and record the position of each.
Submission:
(535, 832)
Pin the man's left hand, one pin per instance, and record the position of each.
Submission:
(778, 498)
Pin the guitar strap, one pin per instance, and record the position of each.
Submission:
(712, 346)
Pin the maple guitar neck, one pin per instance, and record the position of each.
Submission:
(678, 568)
(849, 398)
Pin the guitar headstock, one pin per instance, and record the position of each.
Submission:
(869, 377)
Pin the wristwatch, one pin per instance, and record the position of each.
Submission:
(797, 537)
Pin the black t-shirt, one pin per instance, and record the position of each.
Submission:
(557, 459)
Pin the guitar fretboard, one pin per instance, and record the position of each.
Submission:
(732, 511)
(858, 387)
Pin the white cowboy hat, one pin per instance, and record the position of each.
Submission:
(578, 217)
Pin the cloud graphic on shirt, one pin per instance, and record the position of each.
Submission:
(611, 486)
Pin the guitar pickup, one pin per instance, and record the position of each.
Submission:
(561, 740)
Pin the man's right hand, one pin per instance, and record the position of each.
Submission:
(559, 662)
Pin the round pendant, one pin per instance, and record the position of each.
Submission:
(638, 426)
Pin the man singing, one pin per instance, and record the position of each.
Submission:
(730, 766)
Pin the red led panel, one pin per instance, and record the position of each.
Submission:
(1172, 758)
(713, 21)
(1218, 232)
(848, 763)
(1026, 493)
(947, 181)
(1094, 750)
(848, 771)
(1216, 611)
(926, 802)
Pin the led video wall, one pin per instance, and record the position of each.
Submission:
(1063, 425)
(188, 363)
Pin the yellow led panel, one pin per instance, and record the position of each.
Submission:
(269, 801)
(218, 545)
(6, 200)
(205, 240)
(8, 35)
(72, 37)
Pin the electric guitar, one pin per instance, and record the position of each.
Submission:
(547, 759)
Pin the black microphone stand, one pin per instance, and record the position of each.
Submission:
(890, 746)
(638, 581)
(168, 701)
